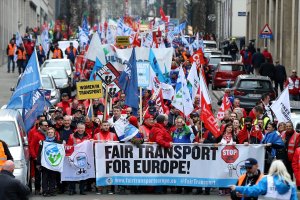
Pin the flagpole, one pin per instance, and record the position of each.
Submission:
(92, 110)
(105, 108)
(141, 106)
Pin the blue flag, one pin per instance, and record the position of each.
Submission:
(179, 28)
(38, 103)
(23, 101)
(155, 66)
(85, 27)
(30, 79)
(129, 83)
(98, 65)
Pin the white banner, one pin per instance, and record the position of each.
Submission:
(53, 156)
(80, 165)
(182, 165)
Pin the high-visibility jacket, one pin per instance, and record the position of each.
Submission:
(69, 50)
(293, 85)
(296, 165)
(11, 49)
(105, 136)
(57, 54)
(21, 54)
(266, 121)
(292, 144)
(3, 156)
(242, 178)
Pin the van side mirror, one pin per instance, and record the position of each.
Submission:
(25, 141)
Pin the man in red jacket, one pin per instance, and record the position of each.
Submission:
(267, 55)
(296, 166)
(34, 145)
(293, 84)
(159, 133)
(65, 103)
(147, 125)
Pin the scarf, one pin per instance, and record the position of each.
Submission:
(48, 139)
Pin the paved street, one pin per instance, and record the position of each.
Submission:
(7, 80)
(133, 197)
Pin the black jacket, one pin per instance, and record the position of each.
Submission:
(280, 73)
(257, 60)
(267, 69)
(11, 188)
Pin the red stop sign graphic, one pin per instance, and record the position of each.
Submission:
(230, 154)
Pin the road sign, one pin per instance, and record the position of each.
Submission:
(230, 154)
(266, 32)
(89, 90)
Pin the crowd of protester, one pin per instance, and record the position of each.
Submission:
(70, 124)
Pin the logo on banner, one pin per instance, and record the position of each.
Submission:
(230, 154)
(285, 112)
(53, 155)
(113, 88)
(80, 162)
(109, 181)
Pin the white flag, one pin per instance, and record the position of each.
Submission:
(194, 80)
(53, 155)
(282, 108)
(18, 39)
(109, 36)
(83, 38)
(167, 91)
(45, 41)
(182, 99)
(80, 165)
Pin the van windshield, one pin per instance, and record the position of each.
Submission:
(9, 134)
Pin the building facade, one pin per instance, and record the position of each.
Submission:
(283, 17)
(17, 15)
(231, 19)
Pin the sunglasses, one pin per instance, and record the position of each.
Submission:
(248, 167)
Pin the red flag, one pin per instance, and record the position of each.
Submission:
(225, 106)
(209, 120)
(136, 42)
(198, 57)
(163, 16)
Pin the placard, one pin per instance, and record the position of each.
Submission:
(108, 73)
(143, 72)
(89, 90)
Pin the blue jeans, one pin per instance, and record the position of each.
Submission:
(10, 59)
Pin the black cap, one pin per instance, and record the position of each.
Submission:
(194, 114)
(64, 94)
(250, 162)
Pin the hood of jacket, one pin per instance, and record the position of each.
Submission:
(282, 186)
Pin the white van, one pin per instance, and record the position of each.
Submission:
(12, 131)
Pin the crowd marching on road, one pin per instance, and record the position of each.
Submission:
(165, 122)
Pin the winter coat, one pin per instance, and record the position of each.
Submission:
(160, 135)
(280, 73)
(257, 60)
(11, 188)
(35, 143)
(267, 69)
(296, 165)
(261, 188)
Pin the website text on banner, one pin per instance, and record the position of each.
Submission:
(181, 165)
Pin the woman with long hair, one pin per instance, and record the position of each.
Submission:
(276, 185)
(228, 136)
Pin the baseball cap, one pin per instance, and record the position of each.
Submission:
(194, 114)
(250, 162)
